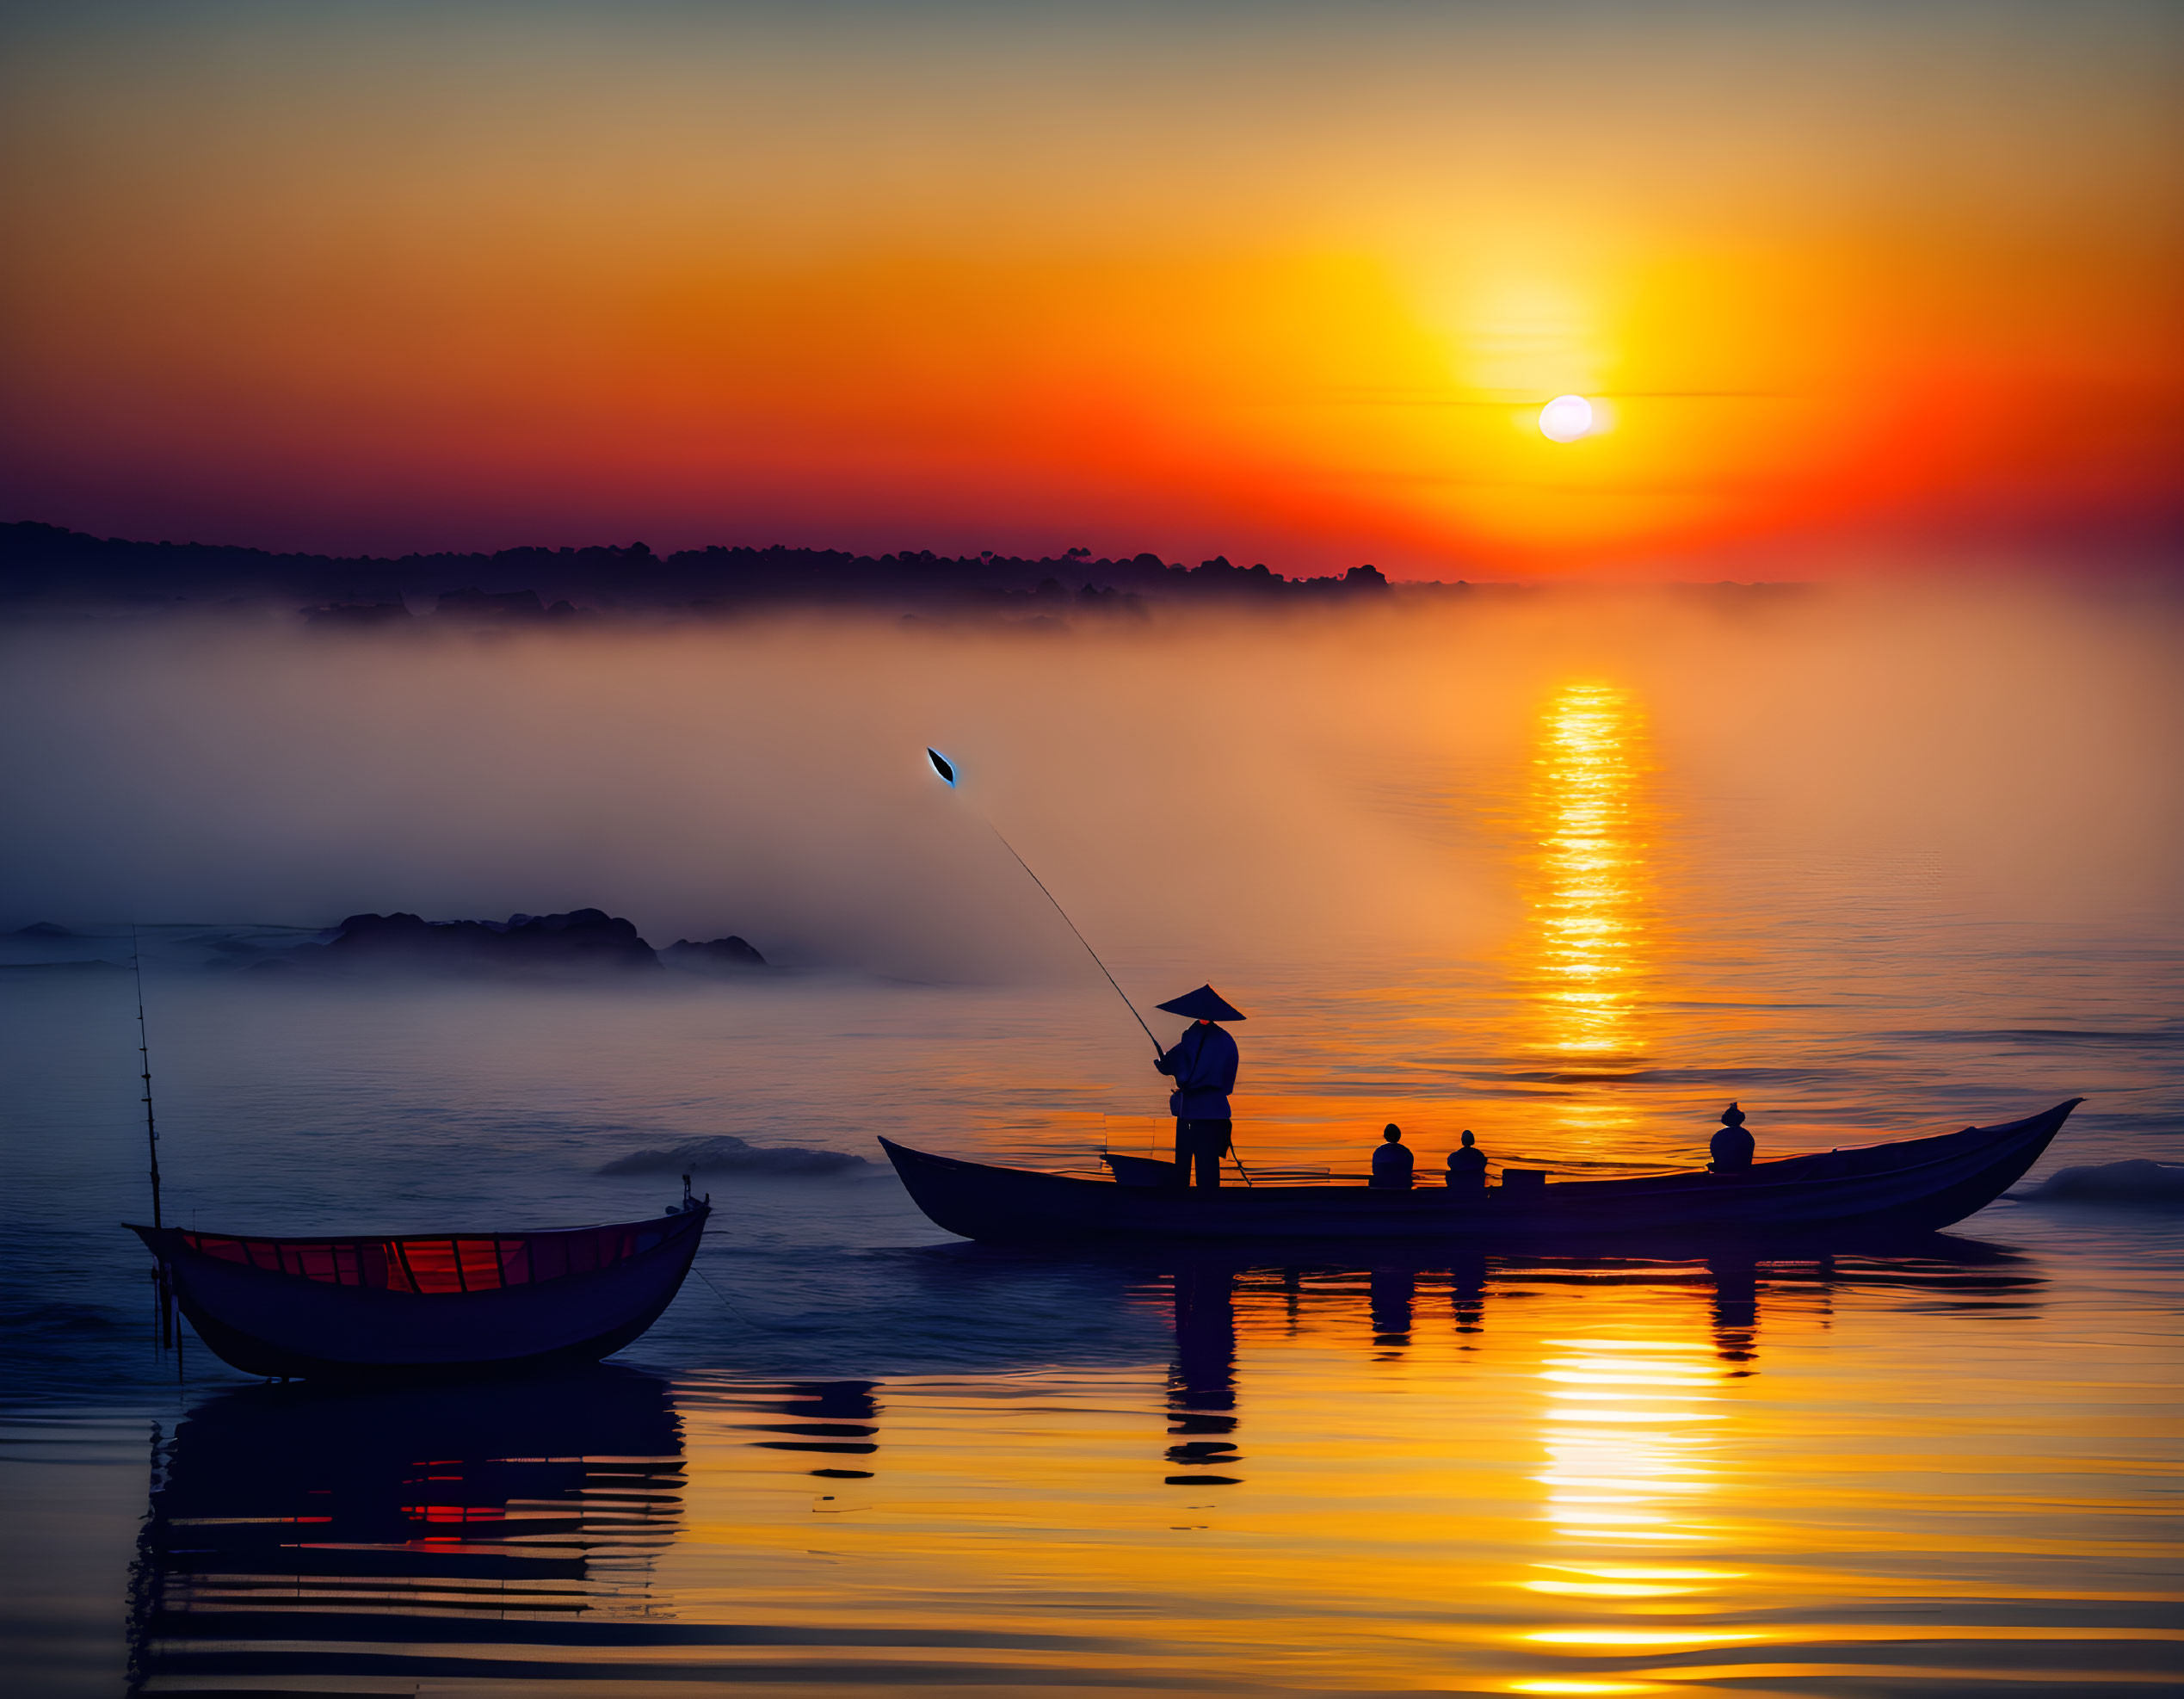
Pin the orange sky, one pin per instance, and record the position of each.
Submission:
(1854, 287)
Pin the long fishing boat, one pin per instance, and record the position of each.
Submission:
(1912, 1185)
(426, 1306)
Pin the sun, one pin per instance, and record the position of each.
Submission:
(1566, 418)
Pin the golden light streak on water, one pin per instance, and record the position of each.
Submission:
(1588, 826)
(1629, 1443)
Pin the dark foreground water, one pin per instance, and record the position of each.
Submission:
(854, 1457)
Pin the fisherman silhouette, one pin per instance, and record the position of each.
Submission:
(1203, 1066)
(1391, 1162)
(1467, 1167)
(1732, 1147)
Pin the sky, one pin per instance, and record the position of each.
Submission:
(1852, 287)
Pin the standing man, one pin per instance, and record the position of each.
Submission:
(1203, 1066)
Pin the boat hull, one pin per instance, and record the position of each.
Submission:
(1913, 1186)
(263, 1321)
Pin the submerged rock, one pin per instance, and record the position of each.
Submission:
(728, 1154)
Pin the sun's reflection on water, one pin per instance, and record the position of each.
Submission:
(1588, 823)
(1628, 1431)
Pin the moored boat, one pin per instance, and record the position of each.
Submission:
(426, 1306)
(1912, 1185)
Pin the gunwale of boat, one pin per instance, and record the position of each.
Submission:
(460, 1265)
(1288, 1180)
(409, 1234)
(1926, 1182)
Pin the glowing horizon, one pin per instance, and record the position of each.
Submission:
(1255, 284)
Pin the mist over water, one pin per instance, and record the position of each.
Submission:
(1236, 789)
(1569, 870)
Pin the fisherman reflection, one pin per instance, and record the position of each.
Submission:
(1468, 1291)
(1201, 1386)
(1203, 1064)
(1736, 1305)
(1393, 1292)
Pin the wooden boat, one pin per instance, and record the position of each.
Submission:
(426, 1306)
(1915, 1185)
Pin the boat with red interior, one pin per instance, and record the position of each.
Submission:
(423, 1306)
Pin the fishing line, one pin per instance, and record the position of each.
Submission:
(731, 1303)
(1072, 924)
(946, 768)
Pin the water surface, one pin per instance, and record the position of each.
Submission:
(857, 1456)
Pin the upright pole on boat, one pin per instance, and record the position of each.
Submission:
(946, 769)
(143, 1053)
(151, 1140)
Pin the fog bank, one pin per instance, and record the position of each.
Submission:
(1229, 787)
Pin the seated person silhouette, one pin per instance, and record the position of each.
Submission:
(1732, 1147)
(1467, 1167)
(1391, 1162)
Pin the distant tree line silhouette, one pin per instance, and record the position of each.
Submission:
(48, 566)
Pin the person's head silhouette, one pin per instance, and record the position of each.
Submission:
(1392, 1133)
(1467, 1138)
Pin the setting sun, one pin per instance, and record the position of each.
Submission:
(1566, 418)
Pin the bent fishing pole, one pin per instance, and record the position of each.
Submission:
(945, 770)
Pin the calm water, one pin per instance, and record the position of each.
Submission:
(856, 1456)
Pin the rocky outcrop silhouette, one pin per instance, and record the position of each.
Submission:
(729, 954)
(583, 943)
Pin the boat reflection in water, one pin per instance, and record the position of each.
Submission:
(1215, 1298)
(298, 1533)
(1498, 1473)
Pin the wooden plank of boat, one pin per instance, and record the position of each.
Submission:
(1912, 1185)
(423, 1305)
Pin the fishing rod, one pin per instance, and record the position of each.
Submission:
(151, 1138)
(946, 769)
